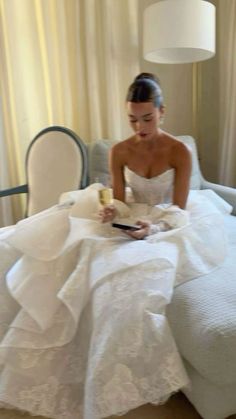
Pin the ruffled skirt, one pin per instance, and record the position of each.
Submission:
(83, 331)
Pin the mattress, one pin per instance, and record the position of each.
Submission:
(211, 401)
(202, 316)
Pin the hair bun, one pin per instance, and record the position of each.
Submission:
(148, 76)
(145, 88)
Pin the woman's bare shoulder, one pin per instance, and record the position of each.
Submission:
(176, 145)
(177, 150)
(123, 146)
(180, 154)
(181, 150)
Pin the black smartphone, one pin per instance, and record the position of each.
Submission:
(131, 227)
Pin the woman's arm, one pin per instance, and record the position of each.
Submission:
(182, 163)
(116, 166)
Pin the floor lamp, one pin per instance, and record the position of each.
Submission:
(177, 32)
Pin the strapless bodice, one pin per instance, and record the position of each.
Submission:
(156, 190)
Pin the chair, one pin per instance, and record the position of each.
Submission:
(56, 162)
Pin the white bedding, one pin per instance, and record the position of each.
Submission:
(203, 317)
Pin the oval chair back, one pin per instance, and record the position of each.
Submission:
(56, 162)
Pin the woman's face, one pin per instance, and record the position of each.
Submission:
(144, 118)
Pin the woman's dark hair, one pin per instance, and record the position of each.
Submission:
(145, 88)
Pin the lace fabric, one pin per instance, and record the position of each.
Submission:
(156, 190)
(83, 332)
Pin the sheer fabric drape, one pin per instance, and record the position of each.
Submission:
(227, 59)
(65, 63)
(6, 216)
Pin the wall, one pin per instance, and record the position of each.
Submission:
(208, 110)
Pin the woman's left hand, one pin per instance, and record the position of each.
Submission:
(142, 232)
(107, 213)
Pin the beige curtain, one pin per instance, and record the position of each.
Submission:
(6, 216)
(65, 62)
(227, 56)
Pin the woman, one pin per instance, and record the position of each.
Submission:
(150, 154)
(83, 332)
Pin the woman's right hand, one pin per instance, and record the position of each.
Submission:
(143, 232)
(107, 213)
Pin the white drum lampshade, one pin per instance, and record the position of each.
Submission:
(179, 31)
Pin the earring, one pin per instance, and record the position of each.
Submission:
(161, 120)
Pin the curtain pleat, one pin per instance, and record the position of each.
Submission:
(227, 63)
(64, 62)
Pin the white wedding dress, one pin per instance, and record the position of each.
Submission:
(82, 306)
